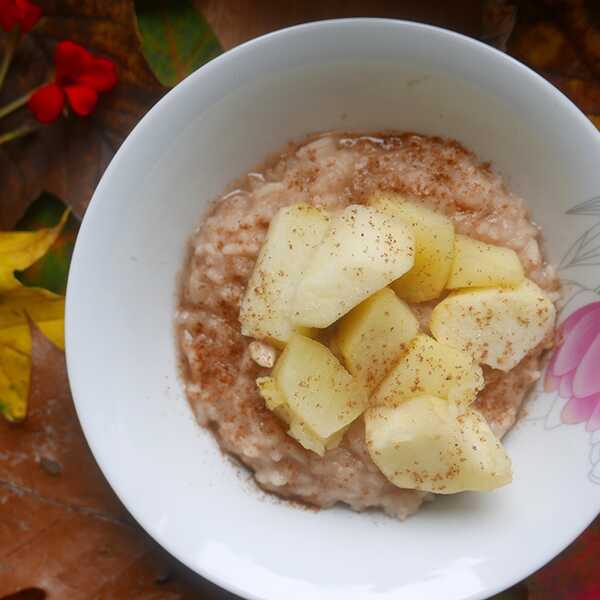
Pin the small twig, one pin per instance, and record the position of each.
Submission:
(12, 106)
(11, 46)
(18, 133)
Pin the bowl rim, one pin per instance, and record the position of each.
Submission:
(72, 362)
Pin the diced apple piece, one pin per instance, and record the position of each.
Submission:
(423, 444)
(274, 399)
(272, 395)
(300, 431)
(335, 439)
(497, 326)
(306, 438)
(311, 441)
(293, 236)
(373, 335)
(477, 264)
(362, 252)
(428, 367)
(317, 388)
(434, 244)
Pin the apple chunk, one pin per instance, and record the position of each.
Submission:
(373, 335)
(315, 389)
(363, 251)
(434, 246)
(293, 235)
(477, 264)
(497, 326)
(428, 367)
(298, 429)
(424, 444)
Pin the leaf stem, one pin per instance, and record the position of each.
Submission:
(18, 133)
(12, 106)
(9, 52)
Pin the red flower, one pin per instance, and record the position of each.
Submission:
(80, 77)
(19, 12)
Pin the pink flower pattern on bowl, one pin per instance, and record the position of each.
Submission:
(574, 369)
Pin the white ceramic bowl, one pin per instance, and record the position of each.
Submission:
(353, 74)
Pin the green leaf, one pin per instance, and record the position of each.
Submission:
(175, 38)
(50, 271)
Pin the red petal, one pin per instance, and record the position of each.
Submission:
(101, 75)
(8, 14)
(71, 60)
(46, 103)
(81, 98)
(29, 14)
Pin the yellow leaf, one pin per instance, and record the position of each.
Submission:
(19, 305)
(15, 371)
(20, 249)
(44, 308)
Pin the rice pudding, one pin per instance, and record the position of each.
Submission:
(333, 171)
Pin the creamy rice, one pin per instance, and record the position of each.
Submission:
(333, 170)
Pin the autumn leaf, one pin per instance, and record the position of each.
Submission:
(581, 20)
(51, 270)
(68, 157)
(19, 305)
(20, 249)
(44, 308)
(545, 47)
(16, 308)
(175, 38)
(561, 40)
(585, 93)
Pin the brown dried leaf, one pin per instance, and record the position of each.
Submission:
(561, 40)
(498, 21)
(583, 92)
(68, 157)
(235, 22)
(581, 19)
(544, 47)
